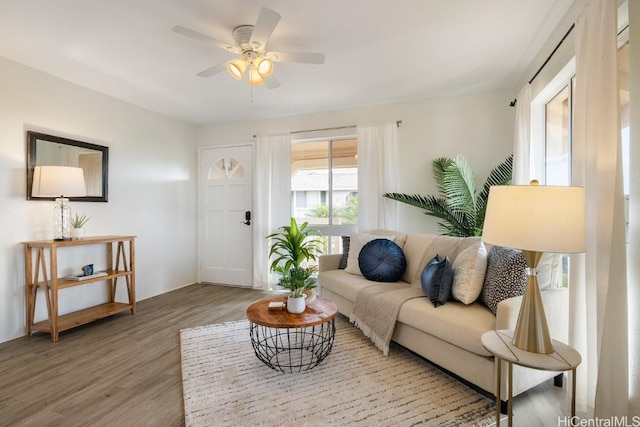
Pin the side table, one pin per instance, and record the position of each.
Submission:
(500, 344)
(289, 342)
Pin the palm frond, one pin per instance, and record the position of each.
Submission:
(500, 175)
(410, 199)
(460, 187)
(460, 207)
(453, 223)
(439, 168)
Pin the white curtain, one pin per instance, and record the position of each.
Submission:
(377, 174)
(272, 194)
(522, 139)
(598, 292)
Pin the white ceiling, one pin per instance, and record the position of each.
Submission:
(377, 51)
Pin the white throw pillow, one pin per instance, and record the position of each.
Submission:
(357, 242)
(469, 269)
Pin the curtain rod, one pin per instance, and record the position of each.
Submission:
(513, 103)
(398, 123)
(544, 64)
(553, 52)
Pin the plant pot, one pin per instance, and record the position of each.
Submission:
(77, 233)
(296, 305)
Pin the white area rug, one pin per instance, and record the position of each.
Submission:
(224, 384)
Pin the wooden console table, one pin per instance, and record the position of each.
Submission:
(37, 275)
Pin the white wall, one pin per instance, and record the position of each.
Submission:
(152, 188)
(479, 126)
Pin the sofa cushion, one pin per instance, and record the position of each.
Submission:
(469, 269)
(420, 248)
(436, 280)
(356, 243)
(399, 237)
(346, 285)
(381, 260)
(506, 276)
(459, 324)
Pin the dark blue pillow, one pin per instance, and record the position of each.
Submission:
(437, 280)
(382, 260)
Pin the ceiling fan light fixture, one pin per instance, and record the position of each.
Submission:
(236, 68)
(255, 79)
(264, 66)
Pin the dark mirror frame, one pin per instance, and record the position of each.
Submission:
(33, 137)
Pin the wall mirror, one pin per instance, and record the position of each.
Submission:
(49, 150)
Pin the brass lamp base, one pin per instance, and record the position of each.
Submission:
(532, 332)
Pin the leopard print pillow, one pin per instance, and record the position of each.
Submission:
(506, 276)
(346, 240)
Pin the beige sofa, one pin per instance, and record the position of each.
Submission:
(449, 335)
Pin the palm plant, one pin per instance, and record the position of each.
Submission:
(348, 214)
(292, 247)
(460, 206)
(319, 211)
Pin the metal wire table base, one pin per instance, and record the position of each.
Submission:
(293, 349)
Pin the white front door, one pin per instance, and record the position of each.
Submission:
(225, 208)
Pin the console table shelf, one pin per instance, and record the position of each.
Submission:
(120, 263)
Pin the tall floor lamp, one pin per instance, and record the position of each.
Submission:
(535, 219)
(59, 181)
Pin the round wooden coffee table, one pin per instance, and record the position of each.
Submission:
(290, 342)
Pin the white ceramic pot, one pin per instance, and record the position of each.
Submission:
(77, 233)
(296, 305)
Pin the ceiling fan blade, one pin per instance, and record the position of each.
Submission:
(212, 71)
(300, 57)
(271, 82)
(267, 21)
(179, 29)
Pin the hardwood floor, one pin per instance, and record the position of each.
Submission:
(125, 370)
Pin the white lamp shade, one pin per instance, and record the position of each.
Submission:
(264, 66)
(57, 181)
(236, 68)
(536, 218)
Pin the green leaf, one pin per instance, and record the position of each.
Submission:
(294, 245)
(460, 207)
(500, 175)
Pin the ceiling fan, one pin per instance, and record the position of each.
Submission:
(250, 42)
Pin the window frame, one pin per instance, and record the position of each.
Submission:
(329, 231)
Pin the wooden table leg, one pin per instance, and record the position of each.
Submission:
(28, 286)
(53, 277)
(498, 391)
(573, 392)
(510, 397)
(132, 278)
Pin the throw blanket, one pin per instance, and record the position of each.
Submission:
(376, 309)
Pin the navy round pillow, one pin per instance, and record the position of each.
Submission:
(381, 260)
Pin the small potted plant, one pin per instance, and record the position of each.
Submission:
(77, 225)
(291, 250)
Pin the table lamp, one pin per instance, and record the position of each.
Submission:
(536, 219)
(59, 181)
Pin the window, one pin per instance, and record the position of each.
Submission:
(324, 187)
(558, 127)
(558, 113)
